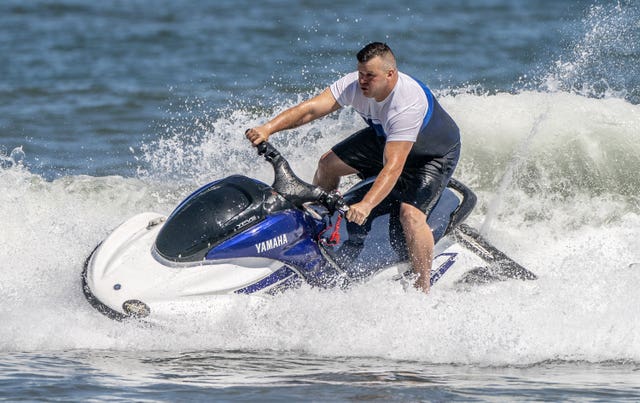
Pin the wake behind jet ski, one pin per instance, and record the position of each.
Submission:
(238, 235)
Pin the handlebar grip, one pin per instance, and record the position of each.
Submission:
(334, 202)
(262, 148)
(343, 208)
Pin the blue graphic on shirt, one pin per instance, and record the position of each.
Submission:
(377, 127)
(380, 130)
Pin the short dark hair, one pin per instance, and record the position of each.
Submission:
(372, 50)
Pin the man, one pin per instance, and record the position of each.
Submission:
(411, 144)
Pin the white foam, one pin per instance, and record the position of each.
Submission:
(568, 212)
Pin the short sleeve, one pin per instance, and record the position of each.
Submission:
(344, 90)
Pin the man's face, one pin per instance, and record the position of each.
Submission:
(374, 79)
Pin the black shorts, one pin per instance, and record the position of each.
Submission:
(422, 180)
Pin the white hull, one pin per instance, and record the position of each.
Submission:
(125, 268)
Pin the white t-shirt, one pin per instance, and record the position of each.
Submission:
(399, 117)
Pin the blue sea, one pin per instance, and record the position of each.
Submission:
(109, 109)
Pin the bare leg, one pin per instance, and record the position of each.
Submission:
(330, 169)
(419, 244)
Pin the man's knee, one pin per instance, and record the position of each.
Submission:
(328, 172)
(325, 162)
(412, 218)
(331, 166)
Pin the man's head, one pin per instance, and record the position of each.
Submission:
(377, 71)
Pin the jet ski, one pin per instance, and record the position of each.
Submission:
(238, 235)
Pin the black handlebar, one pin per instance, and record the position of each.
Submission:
(294, 189)
(264, 147)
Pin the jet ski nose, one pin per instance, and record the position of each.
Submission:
(136, 308)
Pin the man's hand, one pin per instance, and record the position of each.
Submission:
(256, 135)
(395, 155)
(359, 212)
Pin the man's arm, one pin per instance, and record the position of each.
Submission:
(395, 156)
(305, 112)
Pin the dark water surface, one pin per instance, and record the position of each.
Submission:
(111, 108)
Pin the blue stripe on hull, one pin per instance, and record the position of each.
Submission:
(443, 267)
(283, 273)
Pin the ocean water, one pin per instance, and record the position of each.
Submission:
(114, 108)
